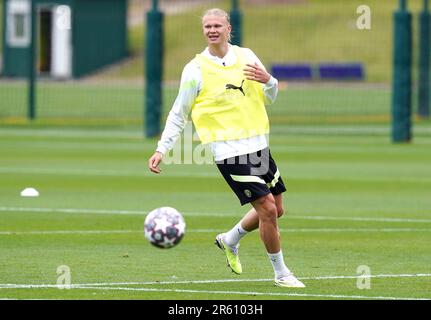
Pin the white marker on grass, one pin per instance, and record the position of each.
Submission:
(29, 192)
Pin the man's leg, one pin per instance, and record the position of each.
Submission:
(249, 223)
(267, 212)
(264, 216)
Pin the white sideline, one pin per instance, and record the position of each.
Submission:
(99, 284)
(257, 280)
(108, 287)
(254, 293)
(303, 230)
(208, 214)
(66, 232)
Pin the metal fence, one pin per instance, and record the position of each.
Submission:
(353, 98)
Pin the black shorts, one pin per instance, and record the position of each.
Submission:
(252, 176)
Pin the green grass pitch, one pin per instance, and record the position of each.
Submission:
(351, 201)
(92, 103)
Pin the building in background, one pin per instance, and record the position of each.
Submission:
(73, 37)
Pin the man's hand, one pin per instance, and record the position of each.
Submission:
(154, 161)
(256, 73)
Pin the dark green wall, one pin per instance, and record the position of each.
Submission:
(3, 30)
(100, 34)
(15, 60)
(99, 37)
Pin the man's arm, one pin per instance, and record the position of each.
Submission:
(178, 116)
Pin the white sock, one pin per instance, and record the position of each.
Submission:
(232, 237)
(277, 261)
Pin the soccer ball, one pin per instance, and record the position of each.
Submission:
(164, 227)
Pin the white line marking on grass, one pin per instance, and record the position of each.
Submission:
(254, 293)
(305, 230)
(27, 286)
(60, 210)
(251, 293)
(42, 286)
(48, 232)
(369, 276)
(360, 219)
(208, 214)
(256, 280)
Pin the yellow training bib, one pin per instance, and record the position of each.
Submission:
(229, 107)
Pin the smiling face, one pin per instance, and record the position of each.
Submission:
(216, 29)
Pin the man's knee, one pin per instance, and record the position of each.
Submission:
(266, 207)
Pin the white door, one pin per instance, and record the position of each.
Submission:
(18, 23)
(61, 64)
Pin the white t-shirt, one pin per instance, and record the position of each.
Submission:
(191, 86)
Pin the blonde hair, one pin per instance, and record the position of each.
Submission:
(218, 13)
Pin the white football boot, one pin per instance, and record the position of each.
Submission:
(289, 281)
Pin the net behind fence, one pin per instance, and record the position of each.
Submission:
(335, 76)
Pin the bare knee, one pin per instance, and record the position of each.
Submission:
(266, 208)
